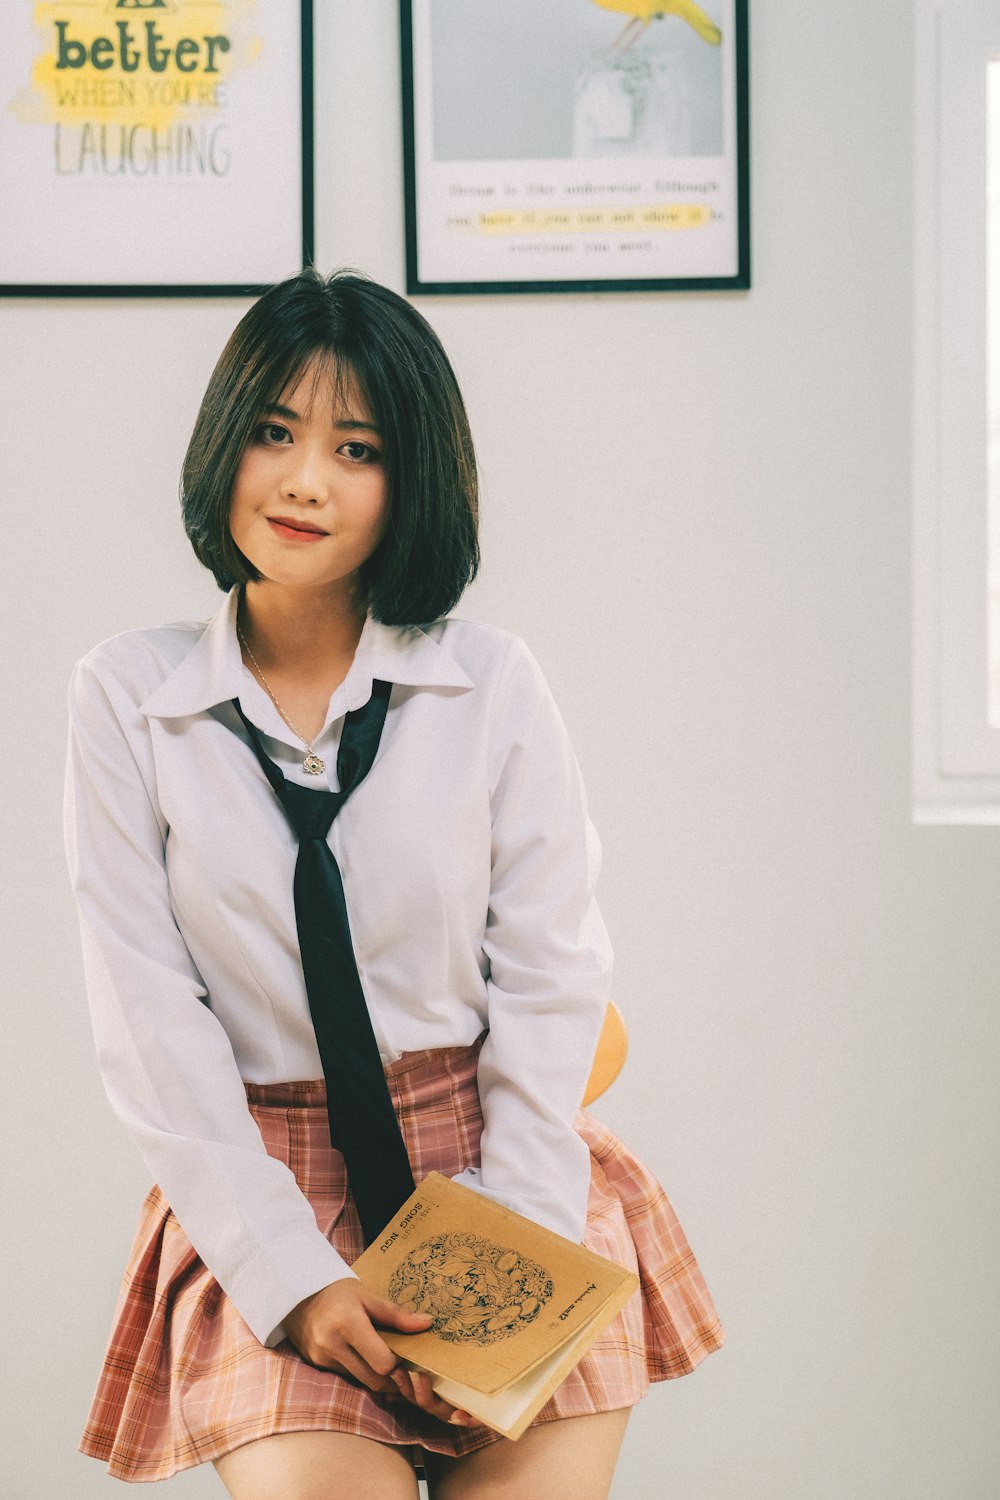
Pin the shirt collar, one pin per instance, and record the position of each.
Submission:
(212, 671)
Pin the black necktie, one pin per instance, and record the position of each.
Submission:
(363, 1124)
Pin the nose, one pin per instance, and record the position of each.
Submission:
(307, 477)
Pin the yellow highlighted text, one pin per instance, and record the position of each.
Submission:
(659, 216)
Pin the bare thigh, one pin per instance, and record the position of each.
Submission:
(317, 1466)
(572, 1459)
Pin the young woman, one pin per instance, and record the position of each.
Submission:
(330, 486)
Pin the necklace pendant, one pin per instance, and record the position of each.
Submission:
(314, 765)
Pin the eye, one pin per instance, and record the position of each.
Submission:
(359, 453)
(272, 433)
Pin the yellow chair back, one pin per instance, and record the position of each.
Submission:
(609, 1059)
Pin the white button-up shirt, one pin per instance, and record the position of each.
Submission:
(469, 865)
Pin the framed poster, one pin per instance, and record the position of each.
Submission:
(155, 147)
(579, 145)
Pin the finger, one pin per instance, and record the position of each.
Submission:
(389, 1315)
(428, 1397)
(352, 1364)
(375, 1352)
(429, 1401)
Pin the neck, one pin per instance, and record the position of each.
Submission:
(299, 629)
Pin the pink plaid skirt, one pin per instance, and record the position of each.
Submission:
(184, 1380)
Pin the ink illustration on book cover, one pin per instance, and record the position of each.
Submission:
(478, 1291)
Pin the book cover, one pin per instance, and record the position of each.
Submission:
(515, 1306)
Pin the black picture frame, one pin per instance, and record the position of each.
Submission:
(301, 237)
(422, 285)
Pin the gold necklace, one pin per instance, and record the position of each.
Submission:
(313, 764)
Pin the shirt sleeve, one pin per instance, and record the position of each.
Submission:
(166, 1061)
(550, 960)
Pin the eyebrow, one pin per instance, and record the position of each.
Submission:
(349, 424)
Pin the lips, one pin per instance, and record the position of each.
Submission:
(290, 523)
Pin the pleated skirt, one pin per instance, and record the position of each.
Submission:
(184, 1380)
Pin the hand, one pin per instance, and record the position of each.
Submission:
(415, 1386)
(335, 1329)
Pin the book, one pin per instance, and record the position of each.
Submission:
(515, 1306)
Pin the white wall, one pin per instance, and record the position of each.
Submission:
(697, 513)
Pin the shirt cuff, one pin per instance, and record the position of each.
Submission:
(560, 1214)
(279, 1276)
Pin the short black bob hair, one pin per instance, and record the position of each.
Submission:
(364, 333)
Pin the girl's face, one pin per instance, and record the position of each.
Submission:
(309, 502)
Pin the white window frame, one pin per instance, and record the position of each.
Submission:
(956, 751)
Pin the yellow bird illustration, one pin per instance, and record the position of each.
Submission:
(644, 11)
